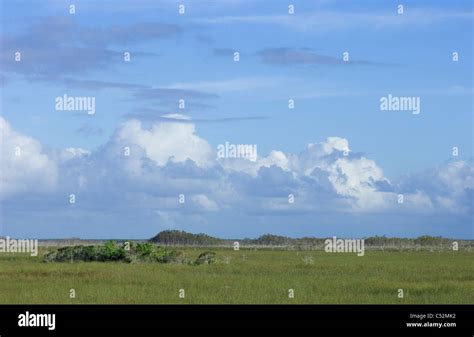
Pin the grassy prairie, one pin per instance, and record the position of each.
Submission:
(247, 276)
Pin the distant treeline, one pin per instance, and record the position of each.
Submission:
(175, 237)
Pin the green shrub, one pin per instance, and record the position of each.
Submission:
(205, 258)
(110, 251)
(145, 249)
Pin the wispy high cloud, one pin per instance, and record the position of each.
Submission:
(226, 52)
(324, 20)
(229, 85)
(169, 99)
(172, 94)
(288, 56)
(160, 116)
(90, 130)
(76, 83)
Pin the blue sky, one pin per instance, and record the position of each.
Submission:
(300, 151)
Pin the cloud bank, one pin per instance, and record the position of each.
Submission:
(141, 174)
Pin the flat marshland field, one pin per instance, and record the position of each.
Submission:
(246, 276)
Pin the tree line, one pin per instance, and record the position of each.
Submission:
(176, 237)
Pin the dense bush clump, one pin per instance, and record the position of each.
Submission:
(129, 252)
(110, 251)
(206, 258)
(151, 253)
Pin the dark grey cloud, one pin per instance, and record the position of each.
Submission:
(131, 34)
(54, 46)
(51, 31)
(57, 60)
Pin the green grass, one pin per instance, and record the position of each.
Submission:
(247, 276)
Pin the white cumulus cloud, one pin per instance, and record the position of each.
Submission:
(24, 167)
(166, 141)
